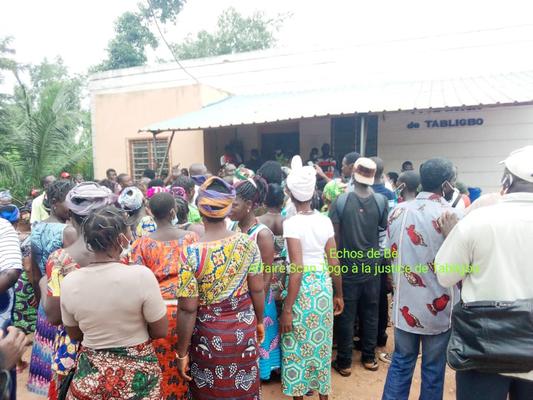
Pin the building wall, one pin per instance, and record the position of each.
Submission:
(314, 133)
(117, 117)
(475, 150)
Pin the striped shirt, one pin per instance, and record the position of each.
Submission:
(10, 256)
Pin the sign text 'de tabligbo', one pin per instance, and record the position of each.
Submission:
(445, 123)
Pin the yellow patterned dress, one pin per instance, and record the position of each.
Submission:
(224, 351)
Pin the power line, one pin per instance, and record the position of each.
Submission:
(166, 43)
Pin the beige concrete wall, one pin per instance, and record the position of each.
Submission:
(314, 133)
(476, 150)
(117, 117)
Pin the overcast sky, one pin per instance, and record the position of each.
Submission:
(78, 30)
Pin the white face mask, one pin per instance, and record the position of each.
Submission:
(175, 221)
(126, 251)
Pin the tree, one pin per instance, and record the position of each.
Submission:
(128, 47)
(235, 34)
(133, 34)
(6, 142)
(47, 128)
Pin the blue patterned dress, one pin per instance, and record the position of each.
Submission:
(45, 239)
(270, 353)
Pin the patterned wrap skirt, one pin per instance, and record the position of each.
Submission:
(224, 352)
(173, 387)
(117, 373)
(41, 355)
(269, 351)
(24, 314)
(306, 350)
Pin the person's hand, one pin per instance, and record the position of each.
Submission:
(260, 333)
(285, 321)
(319, 171)
(338, 305)
(176, 171)
(12, 346)
(183, 367)
(389, 286)
(447, 221)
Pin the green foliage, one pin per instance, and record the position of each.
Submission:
(133, 35)
(235, 34)
(127, 48)
(164, 10)
(43, 128)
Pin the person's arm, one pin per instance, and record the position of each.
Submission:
(454, 251)
(187, 310)
(12, 346)
(294, 248)
(256, 289)
(8, 279)
(159, 328)
(320, 172)
(265, 241)
(154, 309)
(36, 274)
(74, 332)
(338, 300)
(336, 221)
(50, 284)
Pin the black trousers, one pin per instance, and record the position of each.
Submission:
(383, 314)
(473, 385)
(364, 295)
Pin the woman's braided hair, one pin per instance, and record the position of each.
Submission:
(102, 228)
(182, 210)
(254, 189)
(57, 192)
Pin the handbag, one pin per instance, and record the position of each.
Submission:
(65, 385)
(492, 336)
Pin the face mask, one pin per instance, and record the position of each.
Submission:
(399, 190)
(448, 196)
(507, 181)
(174, 221)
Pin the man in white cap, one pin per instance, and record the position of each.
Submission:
(497, 239)
(358, 217)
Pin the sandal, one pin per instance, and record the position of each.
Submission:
(344, 372)
(371, 365)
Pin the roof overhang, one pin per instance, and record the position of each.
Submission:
(238, 110)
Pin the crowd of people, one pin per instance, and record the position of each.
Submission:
(201, 286)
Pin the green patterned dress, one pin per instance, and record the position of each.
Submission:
(306, 350)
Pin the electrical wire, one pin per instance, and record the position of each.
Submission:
(166, 43)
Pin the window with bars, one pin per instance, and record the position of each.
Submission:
(142, 156)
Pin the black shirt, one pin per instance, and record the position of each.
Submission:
(360, 224)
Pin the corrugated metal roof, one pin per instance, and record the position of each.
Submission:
(248, 109)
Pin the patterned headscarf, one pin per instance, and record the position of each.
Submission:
(131, 199)
(155, 189)
(178, 191)
(212, 203)
(88, 196)
(333, 189)
(10, 213)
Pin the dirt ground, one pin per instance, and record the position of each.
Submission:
(361, 385)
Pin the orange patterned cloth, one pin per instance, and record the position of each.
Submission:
(163, 258)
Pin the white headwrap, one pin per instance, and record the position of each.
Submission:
(302, 180)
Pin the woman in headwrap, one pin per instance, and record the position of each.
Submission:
(221, 299)
(161, 252)
(332, 190)
(251, 194)
(46, 237)
(306, 321)
(131, 200)
(81, 201)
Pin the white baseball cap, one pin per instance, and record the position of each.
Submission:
(520, 163)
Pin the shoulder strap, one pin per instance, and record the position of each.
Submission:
(382, 203)
(341, 203)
